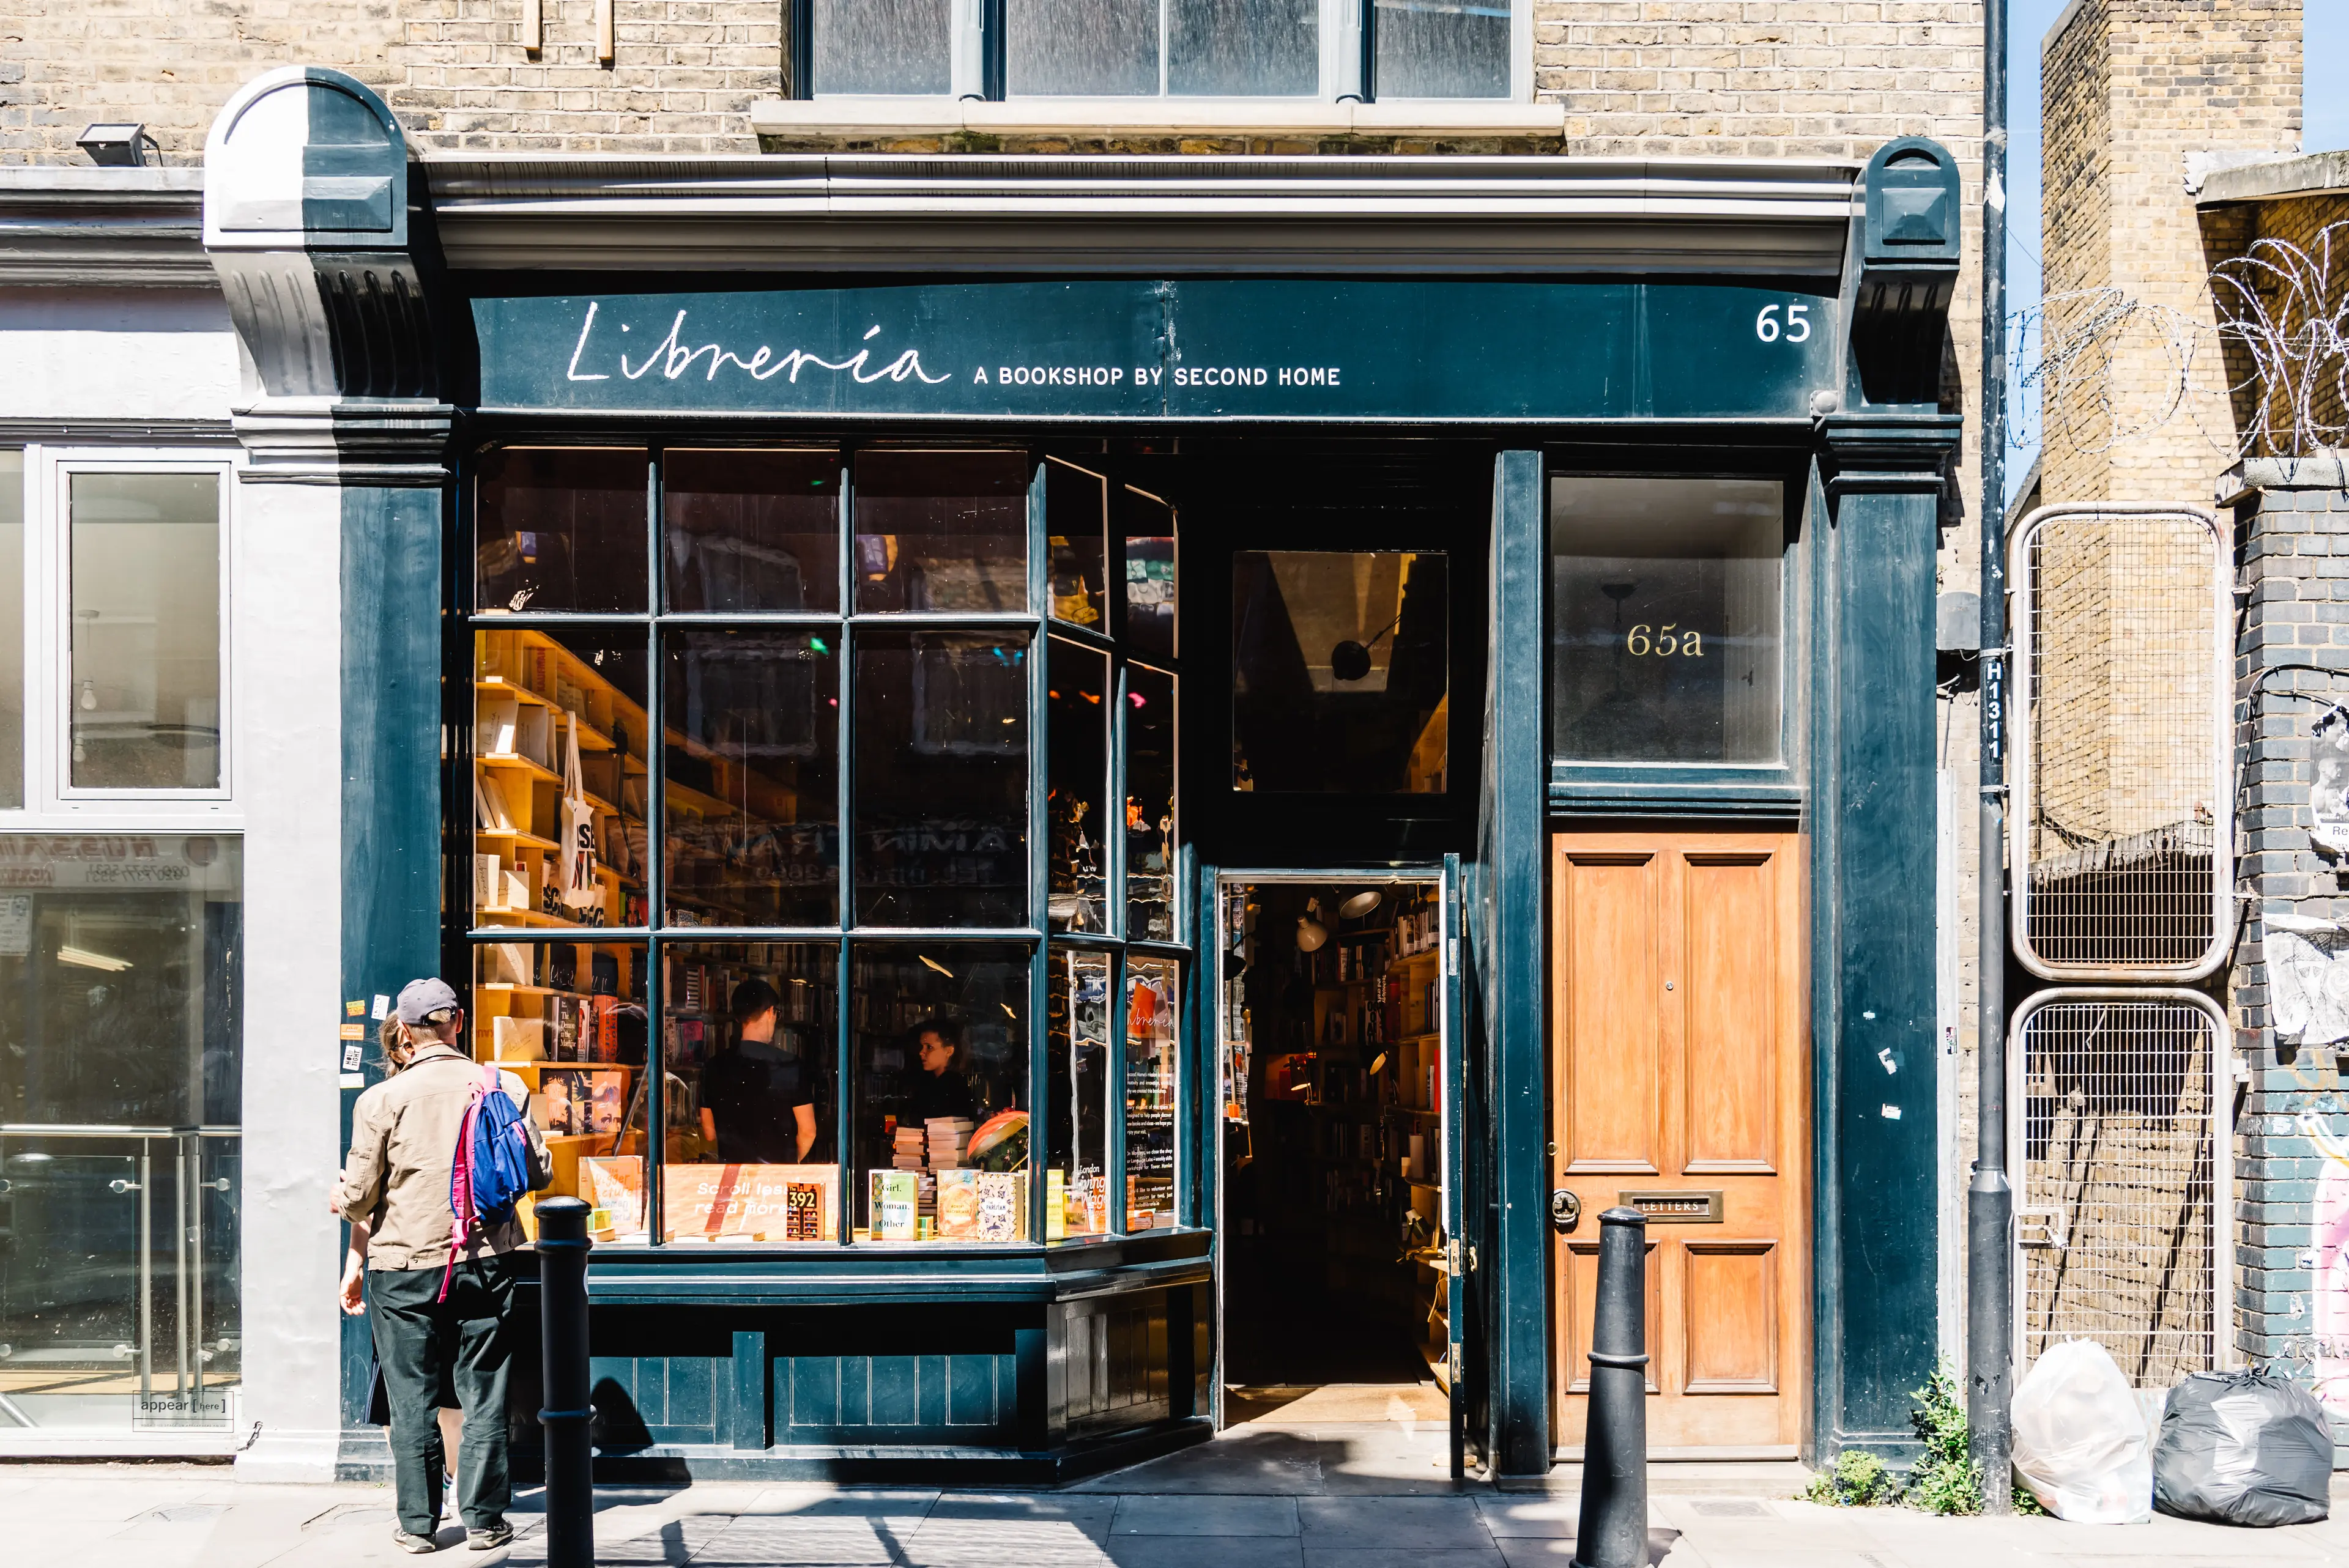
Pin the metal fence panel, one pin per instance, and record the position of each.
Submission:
(2120, 845)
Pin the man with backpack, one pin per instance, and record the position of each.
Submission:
(439, 1157)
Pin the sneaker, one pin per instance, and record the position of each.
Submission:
(489, 1539)
(414, 1545)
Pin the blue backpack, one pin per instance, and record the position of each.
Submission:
(491, 1171)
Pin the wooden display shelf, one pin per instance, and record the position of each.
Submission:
(521, 839)
(502, 687)
(515, 762)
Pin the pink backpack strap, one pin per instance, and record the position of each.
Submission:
(461, 1218)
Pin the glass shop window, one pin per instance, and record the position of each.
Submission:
(1667, 619)
(121, 1094)
(939, 1044)
(1149, 575)
(1076, 1039)
(568, 1019)
(1154, 993)
(941, 735)
(942, 532)
(1341, 672)
(145, 693)
(748, 1036)
(559, 777)
(1077, 712)
(561, 528)
(12, 628)
(1076, 520)
(750, 775)
(1150, 826)
(751, 531)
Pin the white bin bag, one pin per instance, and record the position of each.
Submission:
(2080, 1441)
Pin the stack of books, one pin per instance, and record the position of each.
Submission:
(907, 1149)
(949, 1137)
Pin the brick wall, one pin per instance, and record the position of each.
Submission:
(2130, 88)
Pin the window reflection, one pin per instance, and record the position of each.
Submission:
(941, 778)
(1149, 575)
(751, 530)
(145, 695)
(751, 777)
(1666, 619)
(561, 528)
(750, 1033)
(1441, 48)
(1076, 522)
(1150, 828)
(1077, 713)
(1076, 1033)
(1152, 994)
(942, 532)
(939, 1043)
(1340, 671)
(559, 779)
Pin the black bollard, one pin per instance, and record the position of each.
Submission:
(1613, 1529)
(562, 1338)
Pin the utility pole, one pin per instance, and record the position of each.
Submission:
(1990, 1200)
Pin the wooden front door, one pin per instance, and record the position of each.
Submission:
(1680, 1078)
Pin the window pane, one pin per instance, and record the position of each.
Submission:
(939, 1034)
(534, 692)
(881, 47)
(1076, 1180)
(1667, 619)
(568, 1019)
(561, 528)
(1153, 991)
(751, 531)
(1149, 575)
(942, 531)
(941, 778)
(1341, 671)
(1076, 518)
(1093, 47)
(1442, 48)
(146, 697)
(119, 956)
(1077, 710)
(750, 1034)
(12, 628)
(751, 777)
(1150, 827)
(1243, 49)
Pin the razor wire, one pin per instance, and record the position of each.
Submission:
(2267, 374)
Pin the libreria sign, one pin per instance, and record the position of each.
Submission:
(1214, 350)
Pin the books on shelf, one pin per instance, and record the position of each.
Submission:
(517, 1039)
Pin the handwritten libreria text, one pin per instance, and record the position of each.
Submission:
(676, 356)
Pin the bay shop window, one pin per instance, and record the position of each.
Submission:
(822, 818)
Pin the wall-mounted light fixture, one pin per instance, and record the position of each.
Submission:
(116, 146)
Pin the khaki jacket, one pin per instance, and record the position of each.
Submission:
(403, 1152)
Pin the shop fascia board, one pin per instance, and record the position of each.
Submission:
(78, 227)
(1143, 214)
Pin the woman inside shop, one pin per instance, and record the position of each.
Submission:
(758, 1099)
(940, 1089)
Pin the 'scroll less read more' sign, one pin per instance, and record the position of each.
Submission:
(1251, 350)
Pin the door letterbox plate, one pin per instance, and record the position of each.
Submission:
(1675, 1206)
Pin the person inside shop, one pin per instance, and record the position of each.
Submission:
(758, 1099)
(941, 1087)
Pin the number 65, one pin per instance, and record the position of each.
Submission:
(1798, 328)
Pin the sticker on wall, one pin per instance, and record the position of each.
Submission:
(2328, 798)
(2307, 978)
(16, 926)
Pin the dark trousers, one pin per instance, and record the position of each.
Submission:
(425, 1344)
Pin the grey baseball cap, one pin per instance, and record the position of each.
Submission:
(426, 1001)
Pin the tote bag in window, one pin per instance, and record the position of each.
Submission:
(579, 886)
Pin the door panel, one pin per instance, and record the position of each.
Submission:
(1679, 1064)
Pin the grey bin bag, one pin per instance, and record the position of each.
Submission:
(2241, 1447)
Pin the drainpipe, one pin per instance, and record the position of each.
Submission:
(1990, 1201)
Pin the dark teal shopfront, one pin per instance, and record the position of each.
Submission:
(912, 634)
